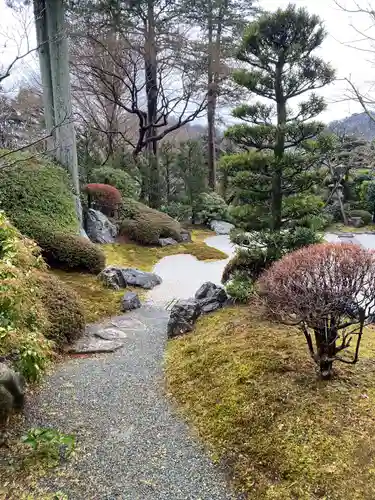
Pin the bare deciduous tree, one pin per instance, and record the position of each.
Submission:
(327, 290)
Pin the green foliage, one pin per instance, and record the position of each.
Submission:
(298, 206)
(247, 264)
(22, 315)
(278, 49)
(210, 206)
(39, 191)
(258, 250)
(240, 289)
(31, 359)
(120, 179)
(363, 214)
(49, 444)
(69, 251)
(64, 310)
(190, 166)
(146, 225)
(367, 195)
(177, 210)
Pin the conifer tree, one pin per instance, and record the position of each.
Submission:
(278, 49)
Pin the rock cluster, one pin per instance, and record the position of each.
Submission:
(120, 277)
(184, 313)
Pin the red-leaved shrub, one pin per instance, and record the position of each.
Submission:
(328, 291)
(104, 197)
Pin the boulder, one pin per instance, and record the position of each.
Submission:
(211, 297)
(183, 316)
(165, 242)
(356, 222)
(130, 301)
(99, 228)
(221, 227)
(121, 277)
(186, 237)
(205, 290)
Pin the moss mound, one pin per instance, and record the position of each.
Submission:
(248, 387)
(23, 318)
(64, 310)
(69, 251)
(35, 192)
(145, 225)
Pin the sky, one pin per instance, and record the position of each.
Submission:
(359, 65)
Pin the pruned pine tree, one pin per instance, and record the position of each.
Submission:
(278, 52)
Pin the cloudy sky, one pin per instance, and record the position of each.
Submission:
(359, 65)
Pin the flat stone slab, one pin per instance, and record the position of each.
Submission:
(110, 334)
(94, 345)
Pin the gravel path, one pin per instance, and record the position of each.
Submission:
(131, 445)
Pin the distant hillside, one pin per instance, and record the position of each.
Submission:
(359, 125)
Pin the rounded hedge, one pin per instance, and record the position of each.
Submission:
(39, 191)
(363, 214)
(69, 251)
(64, 310)
(146, 225)
(117, 178)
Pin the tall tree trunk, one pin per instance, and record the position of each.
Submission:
(152, 102)
(54, 65)
(277, 194)
(45, 68)
(211, 100)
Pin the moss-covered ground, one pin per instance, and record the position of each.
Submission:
(250, 391)
(100, 302)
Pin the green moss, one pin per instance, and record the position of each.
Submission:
(38, 192)
(341, 228)
(249, 388)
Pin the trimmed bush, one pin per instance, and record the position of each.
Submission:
(210, 206)
(23, 318)
(240, 289)
(39, 191)
(146, 225)
(327, 290)
(117, 178)
(69, 251)
(104, 197)
(247, 263)
(64, 310)
(363, 214)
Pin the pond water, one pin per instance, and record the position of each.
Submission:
(365, 239)
(183, 274)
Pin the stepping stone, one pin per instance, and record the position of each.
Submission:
(94, 345)
(111, 334)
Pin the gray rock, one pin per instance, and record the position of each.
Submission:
(99, 228)
(206, 290)
(94, 345)
(186, 237)
(356, 222)
(183, 316)
(221, 227)
(121, 277)
(130, 301)
(164, 242)
(211, 297)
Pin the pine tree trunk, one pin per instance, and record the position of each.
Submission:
(277, 194)
(152, 102)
